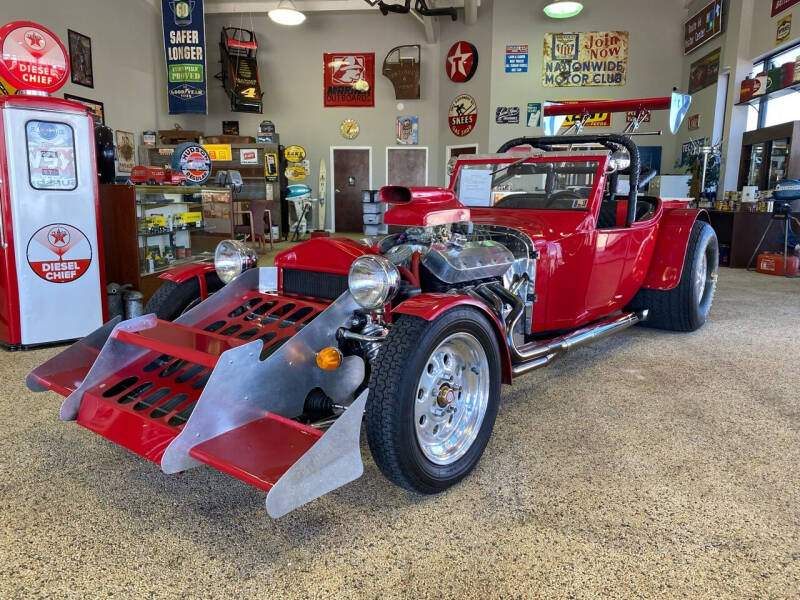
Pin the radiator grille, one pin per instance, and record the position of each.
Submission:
(314, 284)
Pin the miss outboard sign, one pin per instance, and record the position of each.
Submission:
(185, 49)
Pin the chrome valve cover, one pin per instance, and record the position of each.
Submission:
(468, 261)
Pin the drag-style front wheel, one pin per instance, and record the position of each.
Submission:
(173, 299)
(434, 393)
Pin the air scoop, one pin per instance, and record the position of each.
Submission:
(422, 206)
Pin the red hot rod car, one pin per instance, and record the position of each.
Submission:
(528, 254)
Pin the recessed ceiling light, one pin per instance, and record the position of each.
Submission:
(286, 14)
(563, 9)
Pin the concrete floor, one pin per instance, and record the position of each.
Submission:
(651, 465)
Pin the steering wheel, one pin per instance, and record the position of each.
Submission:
(562, 195)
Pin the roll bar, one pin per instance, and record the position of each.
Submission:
(612, 141)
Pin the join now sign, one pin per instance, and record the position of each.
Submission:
(587, 59)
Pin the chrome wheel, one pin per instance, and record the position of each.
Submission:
(700, 277)
(451, 398)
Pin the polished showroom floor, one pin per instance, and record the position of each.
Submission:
(650, 465)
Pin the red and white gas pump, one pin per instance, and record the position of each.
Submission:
(51, 272)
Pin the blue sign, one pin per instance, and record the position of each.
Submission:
(185, 50)
(517, 58)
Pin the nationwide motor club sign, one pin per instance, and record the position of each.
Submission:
(586, 59)
(185, 50)
(349, 79)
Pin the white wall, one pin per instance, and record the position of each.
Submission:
(126, 53)
(655, 33)
(765, 27)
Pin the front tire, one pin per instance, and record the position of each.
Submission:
(686, 307)
(434, 395)
(173, 299)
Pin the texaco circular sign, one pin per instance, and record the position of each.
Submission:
(59, 253)
(32, 57)
(193, 161)
(462, 62)
(463, 115)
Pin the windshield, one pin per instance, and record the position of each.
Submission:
(552, 185)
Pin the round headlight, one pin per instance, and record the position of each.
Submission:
(373, 281)
(231, 258)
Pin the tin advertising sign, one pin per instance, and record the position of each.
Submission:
(185, 50)
(702, 27)
(585, 59)
(349, 79)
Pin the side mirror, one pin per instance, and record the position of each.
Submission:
(678, 108)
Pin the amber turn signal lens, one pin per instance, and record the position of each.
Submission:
(329, 358)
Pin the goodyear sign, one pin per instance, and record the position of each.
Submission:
(586, 59)
(185, 50)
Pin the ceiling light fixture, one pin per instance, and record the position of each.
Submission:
(563, 9)
(286, 14)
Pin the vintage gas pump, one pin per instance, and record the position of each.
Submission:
(51, 275)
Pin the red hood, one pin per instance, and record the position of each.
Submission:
(538, 225)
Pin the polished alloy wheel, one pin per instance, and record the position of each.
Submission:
(451, 398)
(700, 280)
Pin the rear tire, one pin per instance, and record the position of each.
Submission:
(173, 299)
(424, 434)
(685, 307)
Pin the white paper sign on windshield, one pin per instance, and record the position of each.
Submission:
(475, 187)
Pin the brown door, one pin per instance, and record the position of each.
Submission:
(407, 166)
(350, 176)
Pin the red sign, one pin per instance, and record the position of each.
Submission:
(702, 27)
(779, 6)
(463, 115)
(59, 253)
(349, 79)
(462, 62)
(32, 57)
(693, 122)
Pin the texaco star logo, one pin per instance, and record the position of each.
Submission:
(462, 62)
(34, 40)
(58, 236)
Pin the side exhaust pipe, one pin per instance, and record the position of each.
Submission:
(538, 354)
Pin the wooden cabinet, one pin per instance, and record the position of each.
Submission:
(150, 229)
(769, 155)
(741, 231)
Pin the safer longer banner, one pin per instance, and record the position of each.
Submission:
(185, 50)
(585, 59)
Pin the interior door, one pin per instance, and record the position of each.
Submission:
(407, 166)
(350, 176)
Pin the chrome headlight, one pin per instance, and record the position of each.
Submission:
(232, 258)
(373, 281)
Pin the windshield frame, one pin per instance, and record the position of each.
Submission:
(546, 157)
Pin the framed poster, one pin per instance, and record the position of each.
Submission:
(407, 130)
(585, 59)
(349, 79)
(705, 71)
(80, 58)
(94, 107)
(126, 151)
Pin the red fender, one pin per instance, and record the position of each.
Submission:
(187, 271)
(673, 237)
(430, 306)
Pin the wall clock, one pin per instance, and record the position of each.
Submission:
(349, 129)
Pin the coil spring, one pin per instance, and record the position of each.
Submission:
(371, 349)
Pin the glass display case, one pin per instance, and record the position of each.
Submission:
(178, 224)
(769, 155)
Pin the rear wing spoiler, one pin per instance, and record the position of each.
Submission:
(677, 104)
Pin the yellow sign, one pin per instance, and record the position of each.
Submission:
(294, 154)
(784, 30)
(595, 119)
(219, 151)
(349, 129)
(295, 172)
